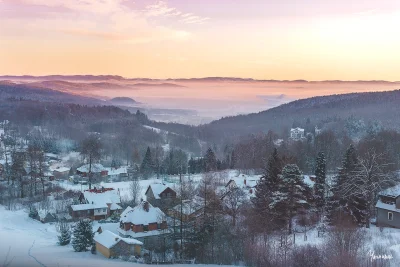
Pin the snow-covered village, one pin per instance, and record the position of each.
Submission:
(80, 204)
(251, 133)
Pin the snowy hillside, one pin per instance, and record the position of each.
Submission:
(32, 243)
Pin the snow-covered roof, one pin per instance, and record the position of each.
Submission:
(62, 169)
(297, 129)
(143, 234)
(114, 171)
(128, 209)
(190, 206)
(66, 216)
(115, 206)
(158, 189)
(109, 239)
(89, 206)
(385, 206)
(391, 192)
(139, 215)
(43, 213)
(96, 168)
(243, 181)
(110, 196)
(308, 181)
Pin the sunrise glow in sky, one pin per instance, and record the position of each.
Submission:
(262, 39)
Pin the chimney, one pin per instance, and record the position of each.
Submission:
(116, 239)
(99, 230)
(146, 206)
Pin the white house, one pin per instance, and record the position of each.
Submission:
(297, 134)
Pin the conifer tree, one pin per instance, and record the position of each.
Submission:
(83, 236)
(293, 193)
(320, 176)
(267, 212)
(338, 202)
(65, 237)
(147, 164)
(210, 160)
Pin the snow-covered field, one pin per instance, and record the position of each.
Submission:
(32, 243)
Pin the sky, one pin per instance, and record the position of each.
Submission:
(261, 39)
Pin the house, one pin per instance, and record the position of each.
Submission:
(47, 216)
(96, 168)
(297, 134)
(156, 194)
(188, 211)
(117, 173)
(144, 222)
(244, 182)
(388, 207)
(61, 172)
(112, 245)
(318, 131)
(97, 204)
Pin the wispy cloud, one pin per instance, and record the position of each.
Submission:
(162, 9)
(112, 20)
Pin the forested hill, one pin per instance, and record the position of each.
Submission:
(29, 92)
(335, 111)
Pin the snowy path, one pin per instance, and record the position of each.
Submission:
(33, 257)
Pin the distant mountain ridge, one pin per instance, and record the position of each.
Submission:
(383, 107)
(205, 79)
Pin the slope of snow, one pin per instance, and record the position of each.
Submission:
(32, 243)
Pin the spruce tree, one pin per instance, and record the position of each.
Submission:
(83, 236)
(210, 161)
(294, 193)
(320, 176)
(339, 203)
(267, 212)
(147, 166)
(65, 237)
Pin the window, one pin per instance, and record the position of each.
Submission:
(104, 210)
(158, 226)
(168, 194)
(390, 216)
(145, 228)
